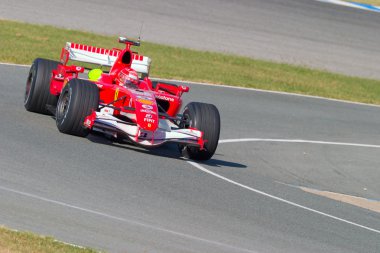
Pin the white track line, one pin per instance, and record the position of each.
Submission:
(112, 217)
(300, 141)
(200, 167)
(13, 64)
(352, 5)
(243, 88)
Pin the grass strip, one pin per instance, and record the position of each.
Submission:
(23, 242)
(21, 43)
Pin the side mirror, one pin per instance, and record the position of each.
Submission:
(184, 88)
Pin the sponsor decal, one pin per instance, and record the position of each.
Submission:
(165, 98)
(147, 107)
(148, 111)
(145, 101)
(148, 116)
(149, 120)
(144, 97)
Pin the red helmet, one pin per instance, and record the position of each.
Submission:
(128, 77)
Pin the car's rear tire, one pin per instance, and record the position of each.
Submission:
(206, 118)
(37, 90)
(78, 99)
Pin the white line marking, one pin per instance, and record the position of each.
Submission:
(300, 141)
(244, 88)
(343, 3)
(13, 64)
(187, 236)
(200, 167)
(351, 4)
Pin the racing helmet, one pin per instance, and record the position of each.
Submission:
(128, 77)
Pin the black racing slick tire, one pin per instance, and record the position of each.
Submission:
(37, 90)
(78, 99)
(206, 118)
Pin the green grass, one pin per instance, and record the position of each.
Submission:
(23, 242)
(21, 43)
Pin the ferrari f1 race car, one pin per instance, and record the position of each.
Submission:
(122, 102)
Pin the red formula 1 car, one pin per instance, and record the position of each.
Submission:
(122, 102)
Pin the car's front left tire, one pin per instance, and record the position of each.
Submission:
(78, 99)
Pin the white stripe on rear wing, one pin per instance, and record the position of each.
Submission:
(104, 57)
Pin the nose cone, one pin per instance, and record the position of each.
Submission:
(146, 113)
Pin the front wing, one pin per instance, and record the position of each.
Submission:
(166, 132)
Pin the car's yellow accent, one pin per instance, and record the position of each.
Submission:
(94, 74)
(116, 94)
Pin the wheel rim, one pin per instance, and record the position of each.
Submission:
(63, 105)
(186, 121)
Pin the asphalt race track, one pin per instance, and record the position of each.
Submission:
(304, 32)
(90, 191)
(120, 198)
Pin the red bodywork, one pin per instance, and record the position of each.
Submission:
(144, 106)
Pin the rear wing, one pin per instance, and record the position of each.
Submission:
(105, 57)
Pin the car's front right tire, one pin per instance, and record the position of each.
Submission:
(206, 118)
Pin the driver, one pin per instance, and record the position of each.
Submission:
(128, 77)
